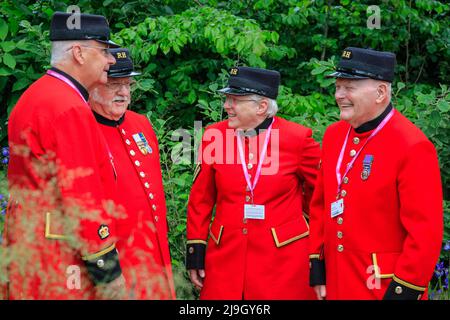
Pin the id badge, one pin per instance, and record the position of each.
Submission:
(337, 208)
(254, 211)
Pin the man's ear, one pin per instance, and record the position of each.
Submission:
(263, 105)
(77, 54)
(382, 92)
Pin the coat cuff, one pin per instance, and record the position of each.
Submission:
(316, 271)
(401, 290)
(195, 254)
(103, 266)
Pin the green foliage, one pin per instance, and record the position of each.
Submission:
(184, 49)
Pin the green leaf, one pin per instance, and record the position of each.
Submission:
(318, 70)
(8, 46)
(22, 83)
(400, 86)
(9, 60)
(191, 97)
(435, 117)
(327, 82)
(213, 87)
(146, 84)
(107, 2)
(443, 106)
(22, 45)
(4, 72)
(3, 29)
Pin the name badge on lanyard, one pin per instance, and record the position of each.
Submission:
(337, 208)
(254, 211)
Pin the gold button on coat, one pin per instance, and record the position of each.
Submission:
(151, 196)
(352, 153)
(345, 180)
(137, 163)
(147, 185)
(142, 174)
(123, 132)
(156, 218)
(100, 263)
(247, 198)
(339, 234)
(249, 166)
(244, 231)
(154, 207)
(127, 142)
(340, 220)
(398, 290)
(355, 140)
(132, 153)
(340, 248)
(343, 193)
(191, 250)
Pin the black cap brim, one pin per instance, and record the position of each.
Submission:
(234, 91)
(110, 43)
(124, 74)
(345, 75)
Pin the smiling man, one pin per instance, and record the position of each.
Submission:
(257, 244)
(376, 212)
(142, 231)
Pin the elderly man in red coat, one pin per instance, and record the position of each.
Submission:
(258, 171)
(376, 212)
(60, 226)
(142, 231)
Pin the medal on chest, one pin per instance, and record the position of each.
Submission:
(142, 143)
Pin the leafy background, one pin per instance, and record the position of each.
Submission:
(184, 49)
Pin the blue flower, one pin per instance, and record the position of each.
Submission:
(5, 152)
(1, 196)
(5, 160)
(3, 211)
(447, 246)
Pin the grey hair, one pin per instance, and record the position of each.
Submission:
(389, 86)
(272, 107)
(61, 51)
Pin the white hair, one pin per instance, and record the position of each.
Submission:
(272, 106)
(61, 51)
(389, 86)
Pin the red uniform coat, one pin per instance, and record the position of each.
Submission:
(248, 258)
(142, 232)
(390, 232)
(59, 167)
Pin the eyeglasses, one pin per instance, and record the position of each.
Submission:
(116, 86)
(232, 101)
(105, 51)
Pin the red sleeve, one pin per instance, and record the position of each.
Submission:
(421, 214)
(308, 166)
(199, 212)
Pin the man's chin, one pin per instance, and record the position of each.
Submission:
(232, 123)
(346, 115)
(120, 107)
